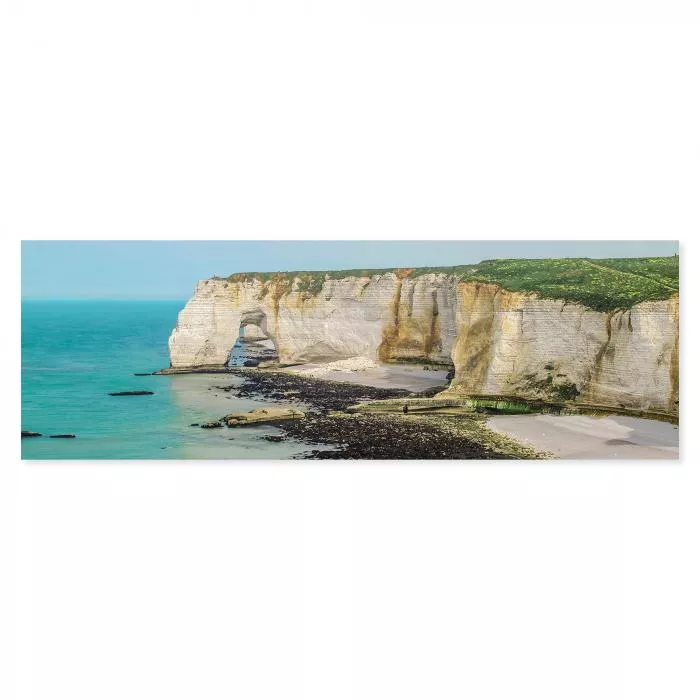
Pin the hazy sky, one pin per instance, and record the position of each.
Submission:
(170, 269)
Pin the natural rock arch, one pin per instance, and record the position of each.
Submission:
(256, 318)
(210, 324)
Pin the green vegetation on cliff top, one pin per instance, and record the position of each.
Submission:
(601, 284)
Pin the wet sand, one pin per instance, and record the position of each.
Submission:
(592, 437)
(410, 377)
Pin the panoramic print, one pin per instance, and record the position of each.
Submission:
(350, 349)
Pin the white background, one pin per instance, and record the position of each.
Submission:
(198, 120)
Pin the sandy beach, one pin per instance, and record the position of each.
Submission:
(592, 437)
(563, 437)
(385, 376)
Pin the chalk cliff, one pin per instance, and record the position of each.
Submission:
(500, 342)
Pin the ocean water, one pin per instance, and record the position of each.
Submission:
(75, 352)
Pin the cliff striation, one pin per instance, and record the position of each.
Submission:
(500, 341)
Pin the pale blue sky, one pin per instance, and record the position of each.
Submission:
(170, 269)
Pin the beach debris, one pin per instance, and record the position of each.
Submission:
(261, 415)
(29, 433)
(130, 393)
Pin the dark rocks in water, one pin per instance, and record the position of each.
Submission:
(273, 438)
(212, 424)
(451, 374)
(130, 393)
(251, 363)
(143, 374)
(194, 425)
(29, 433)
(63, 435)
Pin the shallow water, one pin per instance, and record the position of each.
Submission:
(75, 352)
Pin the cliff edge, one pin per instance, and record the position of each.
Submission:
(602, 332)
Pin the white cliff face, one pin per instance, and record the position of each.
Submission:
(345, 319)
(639, 363)
(516, 344)
(511, 342)
(378, 317)
(500, 342)
(208, 326)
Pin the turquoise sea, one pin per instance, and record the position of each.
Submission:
(75, 352)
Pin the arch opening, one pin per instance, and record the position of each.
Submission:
(253, 344)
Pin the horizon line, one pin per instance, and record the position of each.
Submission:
(103, 299)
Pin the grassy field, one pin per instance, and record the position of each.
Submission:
(601, 284)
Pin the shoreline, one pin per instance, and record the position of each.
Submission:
(333, 421)
(334, 433)
(418, 378)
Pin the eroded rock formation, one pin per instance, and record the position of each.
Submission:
(250, 333)
(500, 342)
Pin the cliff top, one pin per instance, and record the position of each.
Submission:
(601, 284)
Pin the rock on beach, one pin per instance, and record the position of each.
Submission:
(261, 415)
